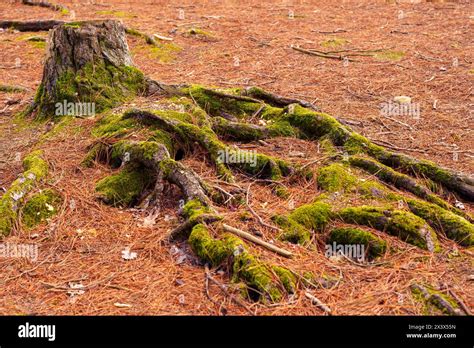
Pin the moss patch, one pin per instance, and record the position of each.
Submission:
(404, 225)
(116, 14)
(125, 187)
(335, 177)
(264, 281)
(165, 52)
(314, 216)
(334, 42)
(113, 125)
(40, 207)
(200, 34)
(389, 55)
(435, 302)
(35, 170)
(374, 246)
(455, 227)
(293, 232)
(105, 85)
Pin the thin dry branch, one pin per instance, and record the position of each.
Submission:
(258, 241)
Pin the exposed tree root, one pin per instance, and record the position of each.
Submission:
(30, 25)
(148, 145)
(16, 201)
(46, 4)
(12, 89)
(434, 299)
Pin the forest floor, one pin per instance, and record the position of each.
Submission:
(428, 56)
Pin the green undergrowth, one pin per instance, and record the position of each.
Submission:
(165, 52)
(264, 281)
(105, 85)
(373, 245)
(40, 207)
(124, 188)
(404, 225)
(35, 170)
(434, 301)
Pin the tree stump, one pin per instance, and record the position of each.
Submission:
(87, 62)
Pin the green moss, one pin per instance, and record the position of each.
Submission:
(40, 207)
(256, 275)
(113, 125)
(193, 209)
(11, 89)
(401, 224)
(237, 131)
(399, 180)
(455, 227)
(116, 14)
(125, 187)
(389, 55)
(287, 278)
(293, 232)
(335, 177)
(199, 33)
(373, 189)
(271, 113)
(281, 191)
(262, 166)
(164, 138)
(327, 147)
(435, 302)
(207, 248)
(35, 170)
(245, 216)
(282, 128)
(38, 44)
(373, 245)
(314, 125)
(334, 42)
(356, 143)
(216, 103)
(180, 116)
(314, 216)
(73, 25)
(143, 152)
(105, 85)
(165, 52)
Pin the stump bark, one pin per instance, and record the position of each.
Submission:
(87, 62)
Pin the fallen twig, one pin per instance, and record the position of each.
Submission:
(258, 241)
(321, 54)
(318, 303)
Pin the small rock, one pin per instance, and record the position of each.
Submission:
(402, 99)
